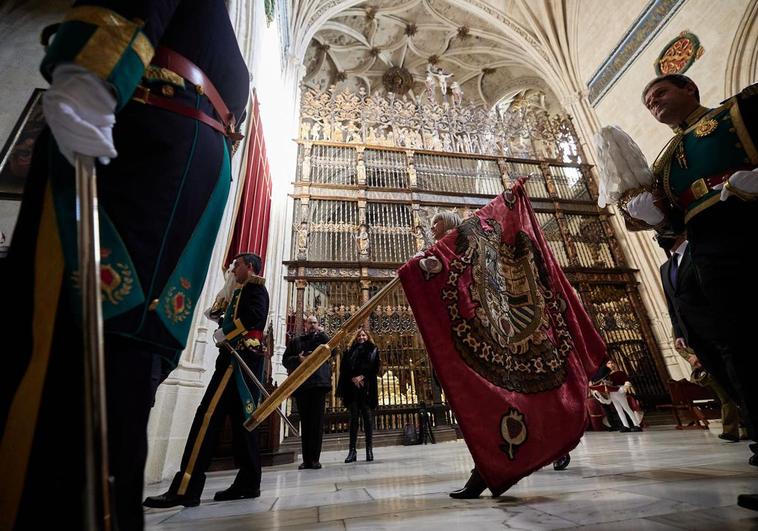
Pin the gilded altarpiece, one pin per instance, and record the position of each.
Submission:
(372, 171)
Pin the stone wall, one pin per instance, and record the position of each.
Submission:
(21, 23)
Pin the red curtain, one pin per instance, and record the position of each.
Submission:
(250, 232)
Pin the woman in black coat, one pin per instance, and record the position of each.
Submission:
(357, 387)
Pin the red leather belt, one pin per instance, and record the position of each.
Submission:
(171, 60)
(703, 186)
(143, 95)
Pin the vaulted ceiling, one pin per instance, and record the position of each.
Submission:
(377, 45)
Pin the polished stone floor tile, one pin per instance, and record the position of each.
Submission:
(658, 480)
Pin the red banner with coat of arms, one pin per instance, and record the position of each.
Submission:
(508, 337)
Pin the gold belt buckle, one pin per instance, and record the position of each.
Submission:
(699, 188)
(141, 94)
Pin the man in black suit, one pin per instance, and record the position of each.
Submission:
(311, 395)
(693, 326)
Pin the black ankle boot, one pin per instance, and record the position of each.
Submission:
(352, 455)
(369, 453)
(472, 489)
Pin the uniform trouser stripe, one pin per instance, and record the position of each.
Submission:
(187, 474)
(22, 417)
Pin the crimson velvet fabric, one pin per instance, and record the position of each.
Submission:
(508, 337)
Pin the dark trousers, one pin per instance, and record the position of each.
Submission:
(724, 246)
(221, 398)
(359, 408)
(310, 405)
(55, 474)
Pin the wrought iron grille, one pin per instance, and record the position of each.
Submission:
(535, 184)
(570, 183)
(618, 323)
(386, 169)
(590, 241)
(457, 174)
(333, 165)
(391, 237)
(552, 231)
(332, 231)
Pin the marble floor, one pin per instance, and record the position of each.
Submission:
(658, 480)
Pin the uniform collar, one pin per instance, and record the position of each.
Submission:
(691, 119)
(253, 279)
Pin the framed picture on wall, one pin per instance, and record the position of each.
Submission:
(16, 155)
(9, 209)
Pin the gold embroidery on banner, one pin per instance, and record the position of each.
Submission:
(517, 337)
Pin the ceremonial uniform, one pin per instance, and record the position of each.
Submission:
(180, 86)
(229, 393)
(708, 148)
(311, 396)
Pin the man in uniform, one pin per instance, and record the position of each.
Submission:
(153, 91)
(229, 393)
(311, 396)
(707, 183)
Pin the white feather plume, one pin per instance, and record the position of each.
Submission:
(621, 165)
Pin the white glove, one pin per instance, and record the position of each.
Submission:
(744, 181)
(642, 207)
(79, 108)
(219, 337)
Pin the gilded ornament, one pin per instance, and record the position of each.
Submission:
(706, 127)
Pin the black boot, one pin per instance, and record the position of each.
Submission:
(170, 499)
(352, 455)
(369, 453)
(472, 489)
(562, 462)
